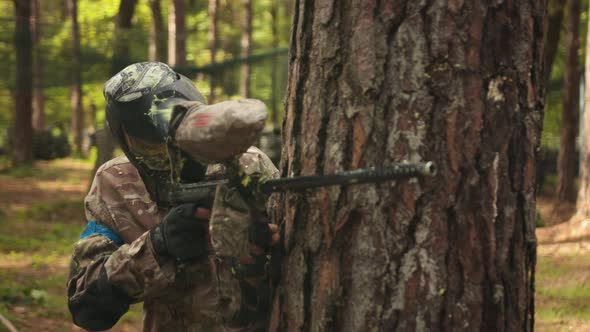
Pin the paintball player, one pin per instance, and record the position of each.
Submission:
(136, 248)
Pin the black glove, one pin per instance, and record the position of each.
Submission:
(181, 235)
(259, 234)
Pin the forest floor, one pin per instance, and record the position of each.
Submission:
(41, 216)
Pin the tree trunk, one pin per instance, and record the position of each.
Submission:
(371, 83)
(213, 39)
(121, 39)
(246, 52)
(76, 88)
(552, 34)
(22, 138)
(122, 36)
(176, 34)
(105, 145)
(566, 163)
(583, 203)
(38, 95)
(158, 44)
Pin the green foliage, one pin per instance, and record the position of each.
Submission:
(97, 24)
(47, 229)
(57, 211)
(42, 174)
(22, 171)
(42, 294)
(19, 293)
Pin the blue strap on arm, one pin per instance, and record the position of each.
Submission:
(95, 228)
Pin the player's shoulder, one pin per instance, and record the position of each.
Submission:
(121, 162)
(117, 171)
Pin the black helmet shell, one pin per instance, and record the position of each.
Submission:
(139, 103)
(140, 99)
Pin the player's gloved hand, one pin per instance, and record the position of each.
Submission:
(261, 236)
(183, 233)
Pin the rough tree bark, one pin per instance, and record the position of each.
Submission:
(158, 45)
(566, 159)
(583, 202)
(22, 139)
(213, 40)
(552, 34)
(176, 34)
(38, 77)
(76, 72)
(370, 83)
(246, 50)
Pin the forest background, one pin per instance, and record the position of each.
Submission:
(230, 49)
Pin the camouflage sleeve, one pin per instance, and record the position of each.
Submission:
(109, 268)
(118, 200)
(104, 279)
(94, 303)
(243, 306)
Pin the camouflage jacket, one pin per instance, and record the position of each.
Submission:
(198, 297)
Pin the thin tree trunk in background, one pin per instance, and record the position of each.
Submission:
(93, 115)
(158, 44)
(289, 7)
(122, 35)
(38, 94)
(274, 13)
(176, 34)
(460, 83)
(246, 43)
(76, 88)
(105, 144)
(213, 40)
(63, 4)
(22, 137)
(552, 34)
(566, 163)
(583, 202)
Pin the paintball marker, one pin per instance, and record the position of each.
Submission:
(218, 133)
(205, 191)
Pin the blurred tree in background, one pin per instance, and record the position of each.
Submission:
(213, 42)
(246, 51)
(176, 34)
(158, 41)
(566, 163)
(583, 199)
(552, 33)
(205, 41)
(76, 89)
(38, 93)
(22, 152)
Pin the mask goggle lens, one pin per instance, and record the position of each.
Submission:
(153, 155)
